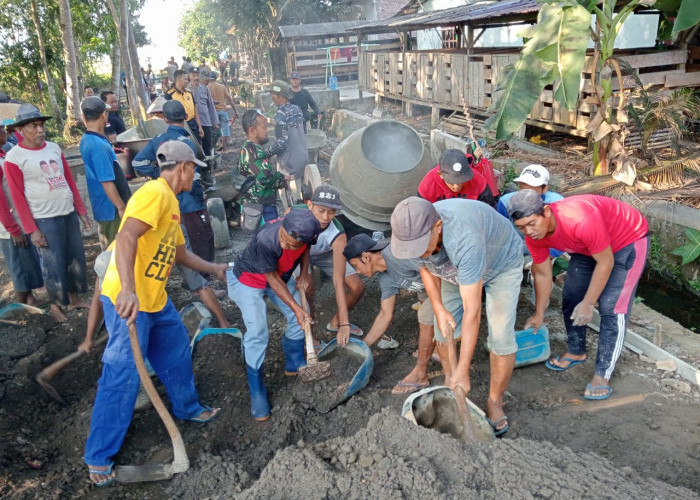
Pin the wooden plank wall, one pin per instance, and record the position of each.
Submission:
(433, 79)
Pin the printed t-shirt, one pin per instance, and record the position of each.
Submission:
(400, 274)
(41, 184)
(185, 97)
(588, 224)
(264, 254)
(154, 204)
(477, 243)
(433, 188)
(101, 165)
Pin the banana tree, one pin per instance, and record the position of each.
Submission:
(554, 53)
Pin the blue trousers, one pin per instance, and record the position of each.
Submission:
(251, 302)
(614, 304)
(270, 213)
(23, 264)
(163, 339)
(63, 261)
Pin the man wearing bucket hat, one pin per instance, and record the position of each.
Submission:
(20, 255)
(265, 269)
(302, 98)
(50, 207)
(371, 258)
(133, 291)
(327, 255)
(453, 177)
(608, 242)
(290, 140)
(464, 247)
(194, 217)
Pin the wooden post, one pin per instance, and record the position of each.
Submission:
(359, 52)
(434, 116)
(408, 106)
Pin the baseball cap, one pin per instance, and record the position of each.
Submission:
(174, 111)
(173, 152)
(194, 69)
(411, 222)
(327, 196)
(455, 166)
(295, 74)
(524, 203)
(282, 88)
(210, 75)
(362, 243)
(301, 225)
(92, 107)
(533, 175)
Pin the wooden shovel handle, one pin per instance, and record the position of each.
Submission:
(311, 358)
(180, 461)
(468, 434)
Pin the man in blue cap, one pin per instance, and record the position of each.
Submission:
(264, 269)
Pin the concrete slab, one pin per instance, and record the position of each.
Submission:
(345, 122)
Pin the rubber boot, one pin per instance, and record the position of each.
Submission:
(294, 357)
(259, 407)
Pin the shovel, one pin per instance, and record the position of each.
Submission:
(153, 472)
(314, 370)
(465, 416)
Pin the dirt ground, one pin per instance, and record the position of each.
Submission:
(641, 443)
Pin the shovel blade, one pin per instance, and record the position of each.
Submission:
(143, 473)
(315, 372)
(51, 390)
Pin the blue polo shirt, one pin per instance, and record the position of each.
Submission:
(145, 163)
(101, 165)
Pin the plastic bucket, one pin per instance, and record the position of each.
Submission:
(252, 214)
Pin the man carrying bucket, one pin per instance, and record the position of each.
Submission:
(466, 246)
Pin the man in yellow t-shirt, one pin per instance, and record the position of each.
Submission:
(133, 290)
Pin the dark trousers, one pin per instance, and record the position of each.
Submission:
(614, 303)
(201, 235)
(195, 130)
(206, 140)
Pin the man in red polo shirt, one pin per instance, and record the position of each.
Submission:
(453, 177)
(608, 242)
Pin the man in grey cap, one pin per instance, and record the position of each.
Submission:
(466, 246)
(49, 206)
(133, 291)
(290, 140)
(302, 98)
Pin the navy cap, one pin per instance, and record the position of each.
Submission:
(455, 166)
(193, 69)
(174, 111)
(362, 243)
(524, 203)
(327, 196)
(301, 225)
(295, 74)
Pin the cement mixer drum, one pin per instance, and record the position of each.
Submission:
(375, 168)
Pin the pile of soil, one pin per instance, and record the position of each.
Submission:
(323, 395)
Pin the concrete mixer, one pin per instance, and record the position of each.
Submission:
(375, 168)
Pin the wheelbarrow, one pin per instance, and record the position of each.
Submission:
(344, 390)
(436, 408)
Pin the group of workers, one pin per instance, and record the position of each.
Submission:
(453, 244)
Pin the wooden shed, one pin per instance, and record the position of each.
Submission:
(446, 78)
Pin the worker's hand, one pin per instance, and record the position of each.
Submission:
(343, 335)
(120, 211)
(127, 306)
(217, 127)
(220, 271)
(461, 379)
(201, 131)
(534, 321)
(39, 240)
(583, 314)
(445, 321)
(87, 221)
(20, 241)
(303, 316)
(303, 282)
(320, 117)
(86, 346)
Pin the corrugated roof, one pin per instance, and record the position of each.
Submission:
(316, 29)
(482, 12)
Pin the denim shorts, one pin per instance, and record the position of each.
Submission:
(502, 294)
(224, 122)
(23, 265)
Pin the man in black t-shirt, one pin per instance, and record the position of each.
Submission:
(264, 269)
(302, 98)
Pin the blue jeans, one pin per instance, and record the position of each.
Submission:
(23, 264)
(163, 339)
(614, 304)
(63, 261)
(502, 293)
(251, 302)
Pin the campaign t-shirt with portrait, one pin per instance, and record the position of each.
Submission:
(154, 204)
(264, 254)
(587, 224)
(477, 243)
(400, 274)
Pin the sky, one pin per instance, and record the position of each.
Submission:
(161, 19)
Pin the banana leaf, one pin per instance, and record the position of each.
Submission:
(688, 16)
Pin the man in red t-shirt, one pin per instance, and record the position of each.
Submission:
(453, 177)
(608, 242)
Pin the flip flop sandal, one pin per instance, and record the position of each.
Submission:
(354, 330)
(434, 356)
(410, 388)
(494, 425)
(590, 388)
(572, 362)
(107, 472)
(387, 343)
(204, 420)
